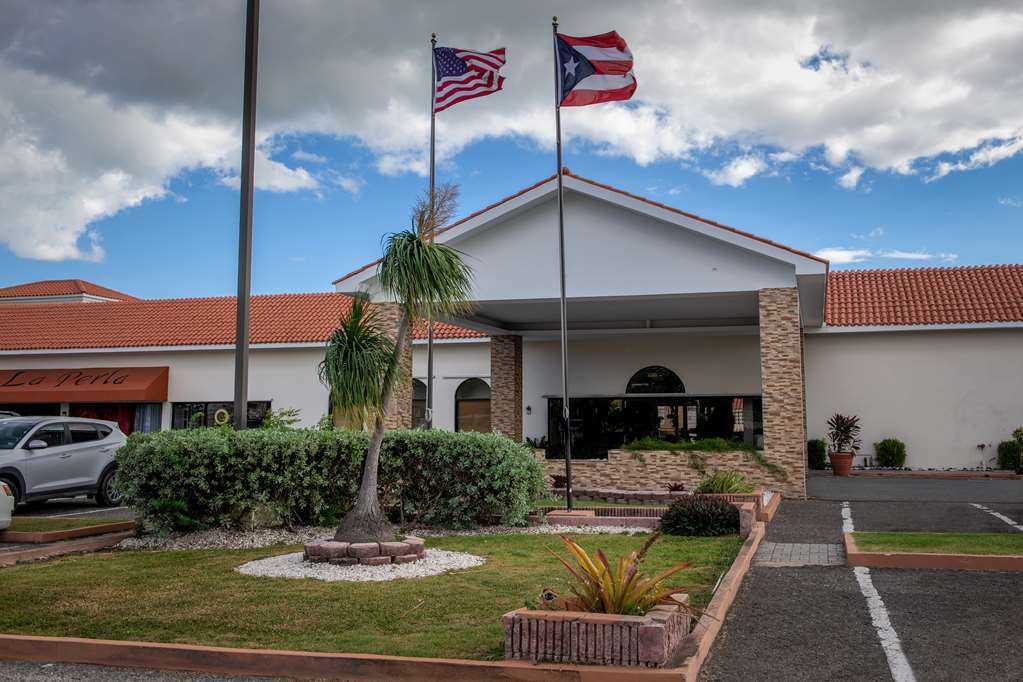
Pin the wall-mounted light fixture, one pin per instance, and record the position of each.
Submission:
(529, 409)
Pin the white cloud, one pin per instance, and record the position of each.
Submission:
(920, 254)
(274, 176)
(308, 157)
(352, 185)
(86, 130)
(839, 255)
(873, 234)
(988, 155)
(737, 171)
(1011, 202)
(851, 178)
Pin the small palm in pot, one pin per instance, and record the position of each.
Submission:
(844, 434)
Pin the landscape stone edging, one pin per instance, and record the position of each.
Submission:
(44, 537)
(920, 560)
(367, 553)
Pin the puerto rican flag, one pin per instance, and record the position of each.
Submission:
(594, 69)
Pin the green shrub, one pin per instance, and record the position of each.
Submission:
(1010, 454)
(702, 516)
(817, 453)
(201, 478)
(724, 481)
(701, 445)
(890, 452)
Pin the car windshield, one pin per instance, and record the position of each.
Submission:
(12, 431)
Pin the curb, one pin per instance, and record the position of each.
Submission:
(304, 664)
(767, 513)
(43, 537)
(696, 647)
(962, 562)
(993, 475)
(67, 547)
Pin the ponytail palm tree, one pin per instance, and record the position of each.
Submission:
(425, 279)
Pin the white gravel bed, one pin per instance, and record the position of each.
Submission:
(255, 539)
(435, 562)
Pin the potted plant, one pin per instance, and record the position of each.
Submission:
(844, 434)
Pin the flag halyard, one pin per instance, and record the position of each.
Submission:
(460, 75)
(594, 69)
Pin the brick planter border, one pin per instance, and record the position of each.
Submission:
(44, 537)
(597, 638)
(967, 562)
(368, 553)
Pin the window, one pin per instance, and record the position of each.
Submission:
(197, 415)
(82, 433)
(418, 403)
(52, 435)
(655, 379)
(472, 406)
(104, 431)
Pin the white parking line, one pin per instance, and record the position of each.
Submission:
(898, 664)
(999, 516)
(86, 511)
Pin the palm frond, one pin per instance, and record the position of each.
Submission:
(429, 279)
(358, 360)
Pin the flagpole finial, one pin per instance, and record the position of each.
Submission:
(433, 39)
(555, 21)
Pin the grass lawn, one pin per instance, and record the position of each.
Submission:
(44, 524)
(941, 543)
(196, 597)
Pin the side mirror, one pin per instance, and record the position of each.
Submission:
(37, 444)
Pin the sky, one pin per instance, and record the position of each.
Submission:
(874, 134)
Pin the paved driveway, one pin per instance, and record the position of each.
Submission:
(828, 487)
(816, 622)
(77, 507)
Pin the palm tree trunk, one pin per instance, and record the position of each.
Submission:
(366, 521)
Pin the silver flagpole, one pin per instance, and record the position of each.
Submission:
(565, 413)
(243, 302)
(433, 144)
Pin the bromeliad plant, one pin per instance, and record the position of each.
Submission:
(619, 588)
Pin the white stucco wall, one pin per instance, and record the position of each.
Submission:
(286, 377)
(941, 392)
(453, 363)
(706, 364)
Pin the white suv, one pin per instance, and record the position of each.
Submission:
(47, 457)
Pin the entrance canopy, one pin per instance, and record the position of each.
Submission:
(631, 265)
(92, 385)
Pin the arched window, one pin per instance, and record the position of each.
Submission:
(418, 403)
(472, 406)
(655, 379)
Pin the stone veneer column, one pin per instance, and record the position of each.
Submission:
(399, 412)
(781, 376)
(506, 385)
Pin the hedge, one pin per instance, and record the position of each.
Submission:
(201, 478)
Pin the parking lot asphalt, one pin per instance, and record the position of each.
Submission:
(77, 506)
(807, 623)
(49, 672)
(925, 517)
(827, 487)
(955, 625)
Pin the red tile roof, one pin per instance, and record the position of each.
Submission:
(567, 172)
(278, 318)
(62, 287)
(920, 296)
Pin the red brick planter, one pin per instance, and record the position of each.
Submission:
(403, 551)
(597, 638)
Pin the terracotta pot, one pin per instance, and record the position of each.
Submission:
(841, 462)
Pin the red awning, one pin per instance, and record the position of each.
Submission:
(84, 385)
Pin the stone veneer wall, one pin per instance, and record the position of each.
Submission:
(506, 385)
(781, 375)
(399, 412)
(655, 469)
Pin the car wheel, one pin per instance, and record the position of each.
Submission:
(15, 489)
(107, 495)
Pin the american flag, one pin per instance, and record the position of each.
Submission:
(465, 74)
